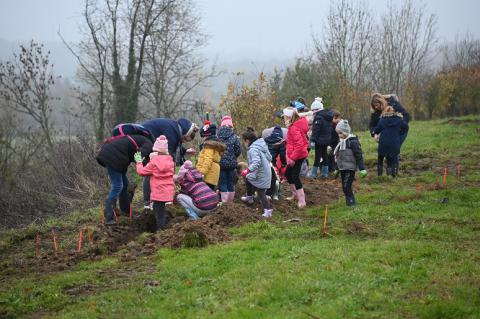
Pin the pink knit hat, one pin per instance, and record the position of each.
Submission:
(227, 121)
(161, 145)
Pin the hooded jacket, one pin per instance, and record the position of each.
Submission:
(397, 106)
(322, 127)
(192, 184)
(209, 160)
(297, 142)
(173, 131)
(118, 152)
(229, 158)
(392, 127)
(161, 169)
(259, 159)
(348, 154)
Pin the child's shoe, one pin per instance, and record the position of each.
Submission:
(324, 172)
(350, 201)
(301, 198)
(313, 172)
(294, 192)
(247, 199)
(267, 213)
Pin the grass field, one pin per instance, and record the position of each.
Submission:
(395, 255)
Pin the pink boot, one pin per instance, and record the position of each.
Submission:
(294, 192)
(224, 196)
(231, 196)
(301, 198)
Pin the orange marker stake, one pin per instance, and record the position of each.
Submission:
(103, 217)
(80, 241)
(419, 188)
(89, 236)
(37, 245)
(55, 243)
(115, 215)
(131, 212)
(325, 219)
(445, 173)
(459, 169)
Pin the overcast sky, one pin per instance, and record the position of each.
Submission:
(240, 28)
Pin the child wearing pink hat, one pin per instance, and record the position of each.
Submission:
(161, 169)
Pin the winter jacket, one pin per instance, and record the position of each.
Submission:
(276, 145)
(397, 107)
(391, 126)
(209, 160)
(229, 158)
(259, 159)
(297, 142)
(322, 127)
(172, 130)
(161, 169)
(335, 138)
(118, 152)
(192, 184)
(348, 154)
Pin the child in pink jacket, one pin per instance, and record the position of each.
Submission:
(161, 169)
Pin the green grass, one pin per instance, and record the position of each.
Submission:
(393, 256)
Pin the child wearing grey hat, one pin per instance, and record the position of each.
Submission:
(348, 157)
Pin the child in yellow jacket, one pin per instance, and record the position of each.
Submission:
(209, 158)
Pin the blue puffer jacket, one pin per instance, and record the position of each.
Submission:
(229, 158)
(322, 127)
(259, 159)
(391, 128)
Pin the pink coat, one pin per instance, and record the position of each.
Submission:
(297, 142)
(161, 169)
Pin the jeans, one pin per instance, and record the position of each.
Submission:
(226, 182)
(320, 152)
(186, 202)
(260, 192)
(293, 174)
(160, 215)
(347, 181)
(119, 188)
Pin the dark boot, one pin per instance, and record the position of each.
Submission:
(380, 170)
(161, 219)
(395, 171)
(350, 200)
(109, 215)
(389, 171)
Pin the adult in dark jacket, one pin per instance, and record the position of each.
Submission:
(116, 155)
(378, 104)
(176, 133)
(392, 127)
(337, 117)
(320, 140)
(275, 139)
(228, 162)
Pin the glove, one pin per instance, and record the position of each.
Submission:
(335, 172)
(376, 137)
(312, 144)
(290, 162)
(245, 172)
(363, 173)
(138, 157)
(191, 151)
(329, 150)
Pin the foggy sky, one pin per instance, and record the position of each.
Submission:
(263, 29)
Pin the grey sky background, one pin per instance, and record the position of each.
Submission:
(254, 30)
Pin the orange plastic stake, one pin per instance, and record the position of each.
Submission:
(37, 245)
(131, 212)
(89, 236)
(80, 241)
(115, 214)
(55, 243)
(445, 173)
(325, 219)
(459, 169)
(419, 187)
(103, 217)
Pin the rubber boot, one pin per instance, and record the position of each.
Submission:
(276, 190)
(267, 213)
(324, 171)
(231, 196)
(191, 214)
(294, 192)
(350, 201)
(160, 218)
(224, 196)
(379, 170)
(247, 199)
(395, 171)
(301, 198)
(389, 171)
(109, 217)
(313, 172)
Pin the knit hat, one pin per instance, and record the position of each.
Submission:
(161, 145)
(317, 105)
(277, 132)
(227, 121)
(183, 169)
(343, 127)
(208, 129)
(298, 105)
(288, 111)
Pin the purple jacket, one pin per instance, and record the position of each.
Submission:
(192, 184)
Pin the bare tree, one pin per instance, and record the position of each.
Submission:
(464, 52)
(25, 84)
(173, 68)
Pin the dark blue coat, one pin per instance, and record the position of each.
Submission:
(393, 102)
(391, 129)
(169, 128)
(322, 127)
(229, 158)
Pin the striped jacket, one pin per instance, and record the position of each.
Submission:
(203, 197)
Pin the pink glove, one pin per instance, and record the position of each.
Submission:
(245, 172)
(290, 162)
(191, 151)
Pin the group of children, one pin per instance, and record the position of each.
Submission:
(278, 154)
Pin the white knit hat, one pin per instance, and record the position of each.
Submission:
(317, 105)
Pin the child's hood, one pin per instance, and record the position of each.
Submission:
(260, 146)
(160, 160)
(225, 133)
(391, 119)
(215, 144)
